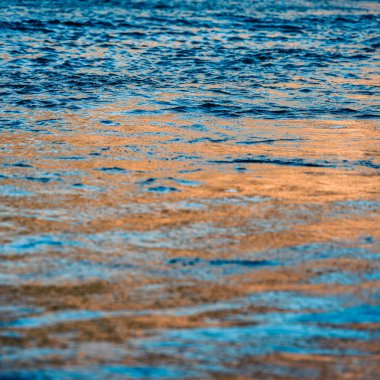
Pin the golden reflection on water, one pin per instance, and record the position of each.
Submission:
(102, 180)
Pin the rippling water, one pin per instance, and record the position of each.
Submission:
(189, 189)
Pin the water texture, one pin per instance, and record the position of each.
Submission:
(189, 189)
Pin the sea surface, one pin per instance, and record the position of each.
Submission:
(189, 189)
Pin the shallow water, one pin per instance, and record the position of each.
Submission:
(189, 189)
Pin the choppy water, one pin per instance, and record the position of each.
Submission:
(189, 189)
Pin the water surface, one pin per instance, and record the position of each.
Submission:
(189, 189)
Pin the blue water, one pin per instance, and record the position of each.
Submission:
(220, 57)
(189, 189)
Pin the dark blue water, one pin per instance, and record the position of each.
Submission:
(276, 59)
(189, 189)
